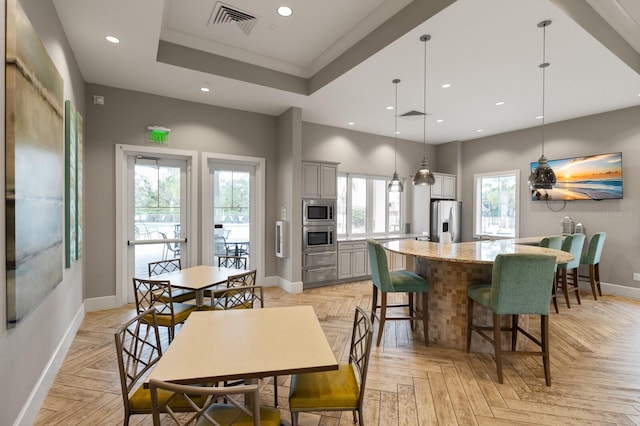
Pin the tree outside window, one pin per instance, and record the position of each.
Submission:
(496, 204)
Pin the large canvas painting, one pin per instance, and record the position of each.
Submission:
(79, 185)
(34, 168)
(70, 194)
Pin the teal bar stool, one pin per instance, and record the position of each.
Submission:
(592, 258)
(555, 243)
(569, 271)
(395, 282)
(520, 285)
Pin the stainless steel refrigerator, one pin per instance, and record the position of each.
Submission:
(445, 217)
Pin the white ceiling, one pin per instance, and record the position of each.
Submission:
(487, 50)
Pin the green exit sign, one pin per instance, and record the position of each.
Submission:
(158, 135)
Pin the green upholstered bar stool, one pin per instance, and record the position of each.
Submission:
(555, 243)
(569, 271)
(592, 258)
(520, 285)
(395, 282)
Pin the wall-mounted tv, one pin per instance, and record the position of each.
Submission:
(594, 177)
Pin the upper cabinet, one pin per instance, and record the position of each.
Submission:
(444, 187)
(319, 180)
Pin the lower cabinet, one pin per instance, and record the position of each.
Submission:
(353, 260)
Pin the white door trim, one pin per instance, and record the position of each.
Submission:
(122, 152)
(260, 176)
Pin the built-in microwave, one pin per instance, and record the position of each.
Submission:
(318, 212)
(318, 238)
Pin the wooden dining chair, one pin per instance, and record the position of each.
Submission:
(138, 349)
(341, 389)
(520, 285)
(236, 262)
(171, 265)
(207, 410)
(592, 259)
(387, 282)
(159, 295)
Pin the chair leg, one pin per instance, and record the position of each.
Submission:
(383, 315)
(411, 310)
(544, 339)
(469, 322)
(574, 274)
(425, 317)
(592, 280)
(294, 418)
(596, 268)
(275, 391)
(514, 332)
(554, 295)
(565, 290)
(374, 304)
(497, 345)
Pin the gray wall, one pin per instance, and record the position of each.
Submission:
(123, 119)
(609, 132)
(26, 350)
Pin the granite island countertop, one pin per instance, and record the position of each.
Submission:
(484, 251)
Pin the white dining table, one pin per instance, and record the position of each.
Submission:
(246, 344)
(198, 278)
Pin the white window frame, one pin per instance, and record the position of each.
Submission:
(477, 210)
(369, 206)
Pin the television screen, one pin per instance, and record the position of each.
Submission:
(594, 177)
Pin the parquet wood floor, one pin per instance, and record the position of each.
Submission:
(595, 353)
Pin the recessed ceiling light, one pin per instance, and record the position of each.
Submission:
(204, 89)
(351, 123)
(479, 130)
(285, 11)
(112, 39)
(390, 107)
(446, 85)
(397, 133)
(440, 120)
(499, 103)
(539, 117)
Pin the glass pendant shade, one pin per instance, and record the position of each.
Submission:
(542, 177)
(424, 176)
(395, 185)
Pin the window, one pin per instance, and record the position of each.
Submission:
(496, 203)
(365, 207)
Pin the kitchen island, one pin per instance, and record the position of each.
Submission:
(450, 269)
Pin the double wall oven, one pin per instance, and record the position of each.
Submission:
(319, 243)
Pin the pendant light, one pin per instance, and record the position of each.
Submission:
(395, 185)
(542, 177)
(424, 176)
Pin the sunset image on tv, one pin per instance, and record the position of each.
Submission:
(594, 177)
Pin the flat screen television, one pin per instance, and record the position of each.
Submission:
(594, 177)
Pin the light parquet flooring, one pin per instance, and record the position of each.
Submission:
(595, 358)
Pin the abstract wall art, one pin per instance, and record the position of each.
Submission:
(34, 168)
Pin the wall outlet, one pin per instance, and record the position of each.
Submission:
(636, 276)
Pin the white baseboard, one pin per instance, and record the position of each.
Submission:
(100, 303)
(614, 289)
(288, 286)
(30, 409)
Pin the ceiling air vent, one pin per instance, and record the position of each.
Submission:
(413, 113)
(224, 14)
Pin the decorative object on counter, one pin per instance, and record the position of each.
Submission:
(520, 285)
(542, 177)
(395, 185)
(424, 176)
(568, 226)
(445, 237)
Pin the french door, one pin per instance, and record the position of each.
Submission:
(155, 215)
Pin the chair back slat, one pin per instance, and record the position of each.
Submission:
(237, 262)
(164, 266)
(521, 284)
(361, 340)
(379, 267)
(241, 292)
